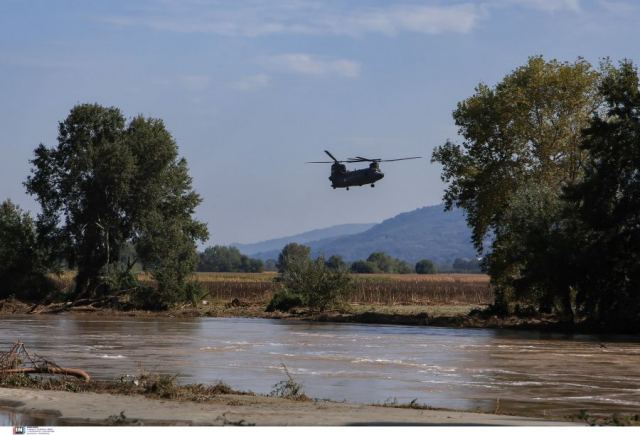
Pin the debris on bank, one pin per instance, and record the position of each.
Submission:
(19, 360)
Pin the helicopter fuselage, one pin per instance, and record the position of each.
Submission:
(340, 177)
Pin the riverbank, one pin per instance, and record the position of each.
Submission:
(231, 409)
(454, 315)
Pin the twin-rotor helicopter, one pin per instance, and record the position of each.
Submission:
(341, 177)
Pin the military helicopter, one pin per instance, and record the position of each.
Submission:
(340, 177)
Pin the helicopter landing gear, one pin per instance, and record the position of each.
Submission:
(347, 188)
(334, 187)
(373, 185)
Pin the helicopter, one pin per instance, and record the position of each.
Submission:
(340, 177)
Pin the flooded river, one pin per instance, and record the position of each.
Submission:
(530, 373)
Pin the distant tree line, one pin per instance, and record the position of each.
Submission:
(472, 265)
(230, 259)
(548, 167)
(227, 259)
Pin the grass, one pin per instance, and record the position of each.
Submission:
(158, 386)
(433, 310)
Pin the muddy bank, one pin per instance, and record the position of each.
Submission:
(386, 314)
(100, 409)
(460, 321)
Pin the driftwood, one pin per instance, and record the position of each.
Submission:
(78, 373)
(18, 360)
(82, 304)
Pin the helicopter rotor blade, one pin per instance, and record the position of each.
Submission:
(319, 162)
(331, 155)
(364, 159)
(395, 160)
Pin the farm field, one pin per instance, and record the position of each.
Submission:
(386, 289)
(401, 294)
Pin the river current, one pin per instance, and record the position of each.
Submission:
(524, 372)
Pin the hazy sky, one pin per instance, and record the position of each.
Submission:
(252, 89)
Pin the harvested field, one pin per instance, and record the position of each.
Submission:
(422, 289)
(368, 289)
(379, 289)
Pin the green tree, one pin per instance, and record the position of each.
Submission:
(525, 131)
(384, 263)
(292, 252)
(536, 261)
(108, 183)
(403, 267)
(220, 259)
(23, 262)
(425, 267)
(607, 205)
(362, 266)
(387, 264)
(251, 265)
(335, 262)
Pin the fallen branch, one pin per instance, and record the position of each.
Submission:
(78, 373)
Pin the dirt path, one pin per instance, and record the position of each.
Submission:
(93, 408)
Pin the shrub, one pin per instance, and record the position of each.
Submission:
(289, 388)
(284, 300)
(318, 286)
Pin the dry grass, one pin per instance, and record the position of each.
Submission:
(385, 289)
(422, 289)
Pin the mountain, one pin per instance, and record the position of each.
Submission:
(427, 232)
(325, 234)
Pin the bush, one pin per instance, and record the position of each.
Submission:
(318, 286)
(284, 300)
(425, 267)
(145, 297)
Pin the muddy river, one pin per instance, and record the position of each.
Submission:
(531, 373)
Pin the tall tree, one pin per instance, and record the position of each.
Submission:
(108, 183)
(607, 204)
(524, 131)
(292, 252)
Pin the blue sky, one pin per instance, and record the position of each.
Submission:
(252, 89)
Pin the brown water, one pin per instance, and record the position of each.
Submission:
(8, 417)
(530, 373)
